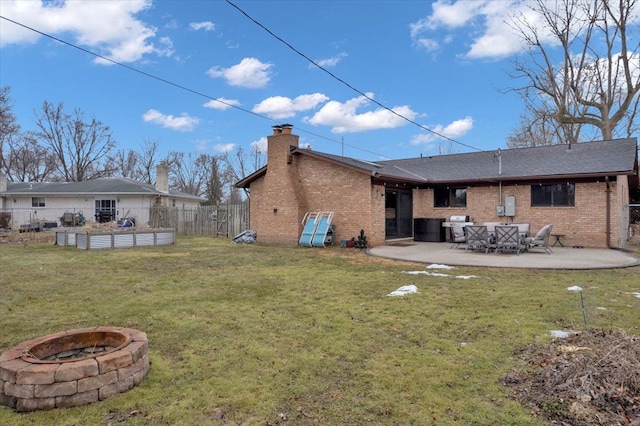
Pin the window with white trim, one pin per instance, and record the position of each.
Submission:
(37, 202)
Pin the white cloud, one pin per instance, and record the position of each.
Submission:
(109, 28)
(221, 104)
(428, 44)
(205, 25)
(260, 145)
(183, 123)
(447, 14)
(486, 21)
(344, 118)
(227, 147)
(454, 130)
(201, 145)
(278, 107)
(250, 73)
(329, 62)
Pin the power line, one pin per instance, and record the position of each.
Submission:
(347, 84)
(130, 68)
(179, 86)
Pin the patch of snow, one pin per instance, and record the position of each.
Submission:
(574, 288)
(601, 308)
(633, 293)
(432, 274)
(466, 277)
(559, 333)
(404, 290)
(438, 266)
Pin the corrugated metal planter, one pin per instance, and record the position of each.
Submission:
(88, 240)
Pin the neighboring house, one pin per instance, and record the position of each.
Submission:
(582, 189)
(99, 200)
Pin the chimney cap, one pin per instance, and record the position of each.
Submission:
(279, 129)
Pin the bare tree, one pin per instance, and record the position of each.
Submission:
(196, 175)
(235, 196)
(22, 158)
(147, 159)
(79, 146)
(538, 127)
(9, 128)
(582, 67)
(123, 163)
(27, 161)
(446, 148)
(239, 164)
(137, 165)
(214, 188)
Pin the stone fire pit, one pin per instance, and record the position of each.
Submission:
(72, 368)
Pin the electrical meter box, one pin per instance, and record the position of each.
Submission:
(510, 205)
(500, 211)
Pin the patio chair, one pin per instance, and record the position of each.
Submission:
(507, 239)
(491, 230)
(523, 230)
(477, 238)
(456, 234)
(541, 240)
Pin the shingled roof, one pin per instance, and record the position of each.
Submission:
(101, 186)
(587, 159)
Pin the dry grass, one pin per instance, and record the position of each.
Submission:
(592, 378)
(272, 335)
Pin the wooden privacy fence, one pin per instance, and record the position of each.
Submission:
(224, 221)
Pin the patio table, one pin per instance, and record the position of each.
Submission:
(558, 239)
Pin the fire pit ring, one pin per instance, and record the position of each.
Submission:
(73, 367)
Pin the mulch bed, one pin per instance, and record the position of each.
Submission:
(590, 379)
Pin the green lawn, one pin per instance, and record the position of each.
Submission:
(259, 335)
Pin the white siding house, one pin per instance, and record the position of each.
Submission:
(98, 200)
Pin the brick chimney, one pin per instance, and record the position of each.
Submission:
(162, 177)
(277, 206)
(279, 145)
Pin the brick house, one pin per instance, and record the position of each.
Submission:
(582, 189)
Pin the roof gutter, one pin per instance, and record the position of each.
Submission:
(608, 212)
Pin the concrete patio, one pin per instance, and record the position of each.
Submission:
(561, 258)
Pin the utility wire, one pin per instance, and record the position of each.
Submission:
(179, 86)
(130, 68)
(347, 84)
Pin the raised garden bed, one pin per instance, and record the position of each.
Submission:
(94, 239)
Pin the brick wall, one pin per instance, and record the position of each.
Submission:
(275, 198)
(583, 225)
(294, 185)
(346, 192)
(308, 184)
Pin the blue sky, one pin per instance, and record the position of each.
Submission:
(441, 64)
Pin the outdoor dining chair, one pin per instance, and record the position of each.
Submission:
(456, 234)
(541, 239)
(523, 230)
(507, 239)
(477, 238)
